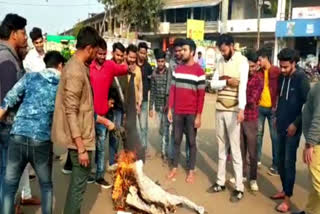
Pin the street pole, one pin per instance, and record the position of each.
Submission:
(259, 5)
(224, 16)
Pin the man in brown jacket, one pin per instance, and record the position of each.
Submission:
(74, 117)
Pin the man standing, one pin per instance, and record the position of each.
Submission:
(102, 73)
(311, 153)
(13, 36)
(158, 98)
(74, 117)
(34, 59)
(31, 130)
(186, 98)
(294, 88)
(146, 71)
(268, 102)
(231, 80)
(201, 60)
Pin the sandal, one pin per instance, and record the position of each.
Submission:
(278, 196)
(191, 177)
(283, 207)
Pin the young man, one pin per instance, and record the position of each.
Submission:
(158, 98)
(201, 60)
(146, 71)
(311, 153)
(74, 118)
(231, 80)
(31, 130)
(187, 99)
(102, 73)
(13, 36)
(268, 102)
(249, 127)
(294, 87)
(34, 59)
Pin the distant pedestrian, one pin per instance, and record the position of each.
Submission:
(201, 61)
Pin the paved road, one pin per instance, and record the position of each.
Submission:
(99, 201)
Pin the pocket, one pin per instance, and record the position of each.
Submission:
(14, 151)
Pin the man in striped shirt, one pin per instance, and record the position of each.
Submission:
(186, 98)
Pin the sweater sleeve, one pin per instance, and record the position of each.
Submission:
(201, 91)
(120, 70)
(313, 134)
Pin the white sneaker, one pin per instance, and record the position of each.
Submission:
(233, 180)
(254, 185)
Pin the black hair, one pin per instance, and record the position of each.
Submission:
(264, 53)
(132, 48)
(178, 42)
(199, 53)
(87, 36)
(191, 44)
(102, 43)
(12, 22)
(142, 45)
(288, 54)
(252, 56)
(35, 34)
(113, 94)
(160, 54)
(225, 39)
(119, 46)
(53, 58)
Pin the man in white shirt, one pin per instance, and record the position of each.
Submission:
(230, 80)
(34, 59)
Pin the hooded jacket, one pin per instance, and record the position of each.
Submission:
(37, 91)
(293, 92)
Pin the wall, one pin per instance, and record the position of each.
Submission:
(243, 9)
(305, 3)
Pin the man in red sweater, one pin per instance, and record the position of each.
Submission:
(186, 98)
(102, 73)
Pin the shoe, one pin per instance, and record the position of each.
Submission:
(91, 180)
(273, 172)
(103, 183)
(216, 188)
(33, 201)
(66, 171)
(233, 180)
(236, 196)
(254, 186)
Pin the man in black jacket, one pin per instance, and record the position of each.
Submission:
(294, 87)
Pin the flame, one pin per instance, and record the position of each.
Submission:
(123, 178)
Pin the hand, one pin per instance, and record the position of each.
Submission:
(240, 117)
(291, 131)
(131, 68)
(197, 121)
(307, 155)
(170, 116)
(151, 113)
(84, 159)
(233, 82)
(110, 126)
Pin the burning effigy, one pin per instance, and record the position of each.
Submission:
(133, 189)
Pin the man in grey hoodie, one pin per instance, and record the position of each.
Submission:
(12, 37)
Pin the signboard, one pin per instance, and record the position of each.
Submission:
(251, 25)
(195, 29)
(298, 28)
(306, 12)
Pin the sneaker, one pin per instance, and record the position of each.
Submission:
(216, 188)
(66, 171)
(254, 186)
(90, 180)
(273, 172)
(233, 180)
(236, 196)
(103, 183)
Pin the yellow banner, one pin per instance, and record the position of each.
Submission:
(195, 29)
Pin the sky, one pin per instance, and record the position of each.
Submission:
(52, 16)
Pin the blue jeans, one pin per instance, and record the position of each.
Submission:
(101, 132)
(21, 151)
(164, 126)
(113, 142)
(4, 141)
(288, 147)
(266, 113)
(143, 124)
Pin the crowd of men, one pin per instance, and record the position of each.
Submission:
(46, 101)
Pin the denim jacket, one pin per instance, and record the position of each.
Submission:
(37, 92)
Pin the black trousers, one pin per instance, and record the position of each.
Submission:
(184, 123)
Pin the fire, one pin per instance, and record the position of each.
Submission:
(123, 178)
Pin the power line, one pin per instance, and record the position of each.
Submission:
(47, 5)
